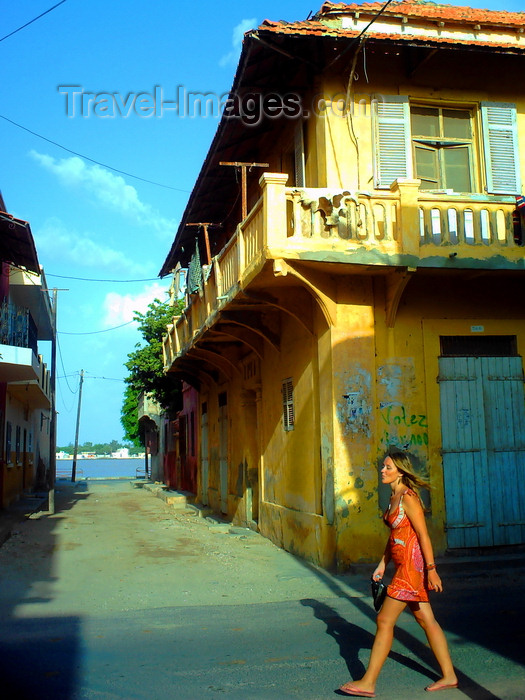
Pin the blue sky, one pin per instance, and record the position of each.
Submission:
(92, 222)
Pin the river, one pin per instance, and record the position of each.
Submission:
(100, 468)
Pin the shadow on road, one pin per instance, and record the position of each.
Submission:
(351, 638)
(40, 657)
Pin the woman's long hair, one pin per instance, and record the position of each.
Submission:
(409, 477)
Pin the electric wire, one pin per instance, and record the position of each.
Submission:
(92, 160)
(358, 37)
(105, 330)
(33, 20)
(91, 279)
(63, 368)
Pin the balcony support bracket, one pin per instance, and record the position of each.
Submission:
(395, 286)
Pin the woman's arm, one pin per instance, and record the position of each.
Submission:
(416, 516)
(380, 569)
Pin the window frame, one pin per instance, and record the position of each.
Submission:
(495, 151)
(440, 144)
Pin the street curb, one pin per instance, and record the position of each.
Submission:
(470, 564)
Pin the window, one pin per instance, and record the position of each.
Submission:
(438, 145)
(442, 148)
(288, 405)
(294, 158)
(479, 346)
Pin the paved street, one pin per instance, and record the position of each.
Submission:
(118, 595)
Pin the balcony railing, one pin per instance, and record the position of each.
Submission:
(17, 327)
(401, 227)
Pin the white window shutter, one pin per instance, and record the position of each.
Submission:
(392, 143)
(500, 139)
(299, 156)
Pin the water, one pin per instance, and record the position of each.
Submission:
(100, 468)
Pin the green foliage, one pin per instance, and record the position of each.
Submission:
(146, 371)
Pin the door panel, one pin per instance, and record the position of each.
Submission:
(505, 427)
(483, 436)
(465, 468)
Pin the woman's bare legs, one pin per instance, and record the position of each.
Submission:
(386, 621)
(437, 640)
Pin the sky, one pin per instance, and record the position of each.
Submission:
(104, 189)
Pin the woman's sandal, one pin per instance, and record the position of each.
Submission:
(443, 686)
(349, 689)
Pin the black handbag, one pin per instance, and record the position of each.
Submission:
(378, 593)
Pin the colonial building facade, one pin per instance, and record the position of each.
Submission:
(355, 277)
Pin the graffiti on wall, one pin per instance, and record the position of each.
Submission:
(401, 427)
(399, 389)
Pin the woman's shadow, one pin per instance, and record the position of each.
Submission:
(352, 638)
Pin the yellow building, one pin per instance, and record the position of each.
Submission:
(354, 259)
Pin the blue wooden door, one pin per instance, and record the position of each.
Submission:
(505, 430)
(483, 445)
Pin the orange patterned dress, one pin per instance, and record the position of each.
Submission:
(409, 581)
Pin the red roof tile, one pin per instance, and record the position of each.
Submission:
(322, 24)
(431, 11)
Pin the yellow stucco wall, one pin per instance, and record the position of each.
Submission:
(360, 386)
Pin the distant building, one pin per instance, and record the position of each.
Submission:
(122, 453)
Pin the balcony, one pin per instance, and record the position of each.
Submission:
(33, 393)
(401, 228)
(20, 366)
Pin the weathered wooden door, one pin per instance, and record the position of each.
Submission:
(223, 452)
(483, 437)
(205, 463)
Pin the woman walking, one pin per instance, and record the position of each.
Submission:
(410, 548)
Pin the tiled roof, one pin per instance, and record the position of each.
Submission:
(327, 22)
(432, 11)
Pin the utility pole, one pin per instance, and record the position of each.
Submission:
(244, 183)
(206, 238)
(53, 416)
(74, 467)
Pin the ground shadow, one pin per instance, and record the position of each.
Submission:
(40, 657)
(351, 638)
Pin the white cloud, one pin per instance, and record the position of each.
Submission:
(109, 189)
(237, 37)
(120, 308)
(55, 242)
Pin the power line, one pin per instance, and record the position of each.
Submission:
(360, 35)
(90, 279)
(91, 160)
(31, 21)
(105, 330)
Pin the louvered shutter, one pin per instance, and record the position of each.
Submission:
(288, 405)
(392, 145)
(500, 139)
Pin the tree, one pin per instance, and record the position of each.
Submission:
(146, 370)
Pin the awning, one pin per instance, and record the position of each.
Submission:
(17, 246)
